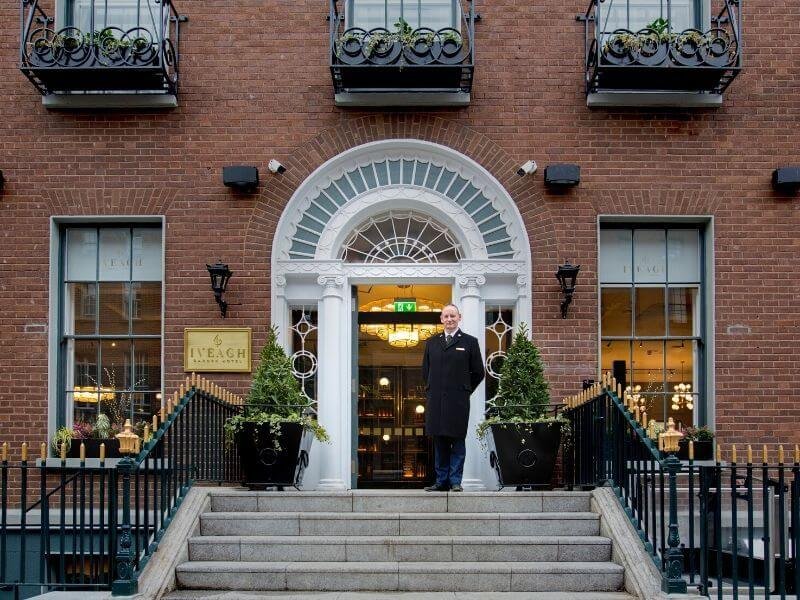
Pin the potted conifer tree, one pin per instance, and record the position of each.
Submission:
(520, 432)
(274, 431)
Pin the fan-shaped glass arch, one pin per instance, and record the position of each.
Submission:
(401, 237)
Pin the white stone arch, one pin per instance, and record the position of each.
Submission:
(338, 197)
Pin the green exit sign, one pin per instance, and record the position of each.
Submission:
(405, 305)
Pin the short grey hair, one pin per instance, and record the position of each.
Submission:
(454, 306)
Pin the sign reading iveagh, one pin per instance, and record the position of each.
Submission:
(215, 349)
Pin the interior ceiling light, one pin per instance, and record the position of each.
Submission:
(401, 335)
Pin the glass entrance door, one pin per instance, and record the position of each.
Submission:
(393, 324)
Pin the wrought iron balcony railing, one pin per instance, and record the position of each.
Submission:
(403, 60)
(101, 58)
(662, 57)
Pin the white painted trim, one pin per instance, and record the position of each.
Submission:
(391, 99)
(54, 293)
(103, 100)
(653, 99)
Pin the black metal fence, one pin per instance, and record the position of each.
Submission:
(729, 528)
(92, 524)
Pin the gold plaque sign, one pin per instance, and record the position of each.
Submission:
(217, 349)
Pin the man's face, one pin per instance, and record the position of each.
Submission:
(450, 318)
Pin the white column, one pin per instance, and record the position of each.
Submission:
(523, 312)
(329, 383)
(472, 322)
(280, 313)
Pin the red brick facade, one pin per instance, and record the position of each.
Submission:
(255, 85)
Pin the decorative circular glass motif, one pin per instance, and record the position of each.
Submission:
(401, 237)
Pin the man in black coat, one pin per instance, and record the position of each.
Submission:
(452, 368)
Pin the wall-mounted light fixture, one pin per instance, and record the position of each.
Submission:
(562, 175)
(220, 275)
(240, 177)
(567, 274)
(786, 179)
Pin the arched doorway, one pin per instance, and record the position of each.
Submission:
(343, 228)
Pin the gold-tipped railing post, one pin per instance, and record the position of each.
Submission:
(672, 581)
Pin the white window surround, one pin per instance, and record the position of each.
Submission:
(709, 292)
(324, 280)
(55, 290)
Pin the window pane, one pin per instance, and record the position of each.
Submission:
(144, 406)
(615, 307)
(682, 311)
(117, 407)
(637, 14)
(124, 14)
(80, 308)
(684, 255)
(82, 407)
(146, 255)
(147, 361)
(615, 256)
(649, 256)
(114, 308)
(392, 13)
(115, 254)
(438, 14)
(614, 351)
(681, 380)
(648, 366)
(368, 14)
(650, 311)
(146, 308)
(82, 366)
(115, 364)
(81, 254)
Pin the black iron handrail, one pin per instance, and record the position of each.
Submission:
(99, 525)
(151, 45)
(724, 527)
(660, 46)
(354, 48)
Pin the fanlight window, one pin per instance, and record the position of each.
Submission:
(401, 237)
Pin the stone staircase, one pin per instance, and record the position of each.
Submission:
(399, 541)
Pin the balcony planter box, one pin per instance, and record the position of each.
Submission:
(524, 455)
(93, 448)
(264, 466)
(703, 450)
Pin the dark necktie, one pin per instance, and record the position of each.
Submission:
(448, 338)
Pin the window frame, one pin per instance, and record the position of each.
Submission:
(455, 14)
(702, 336)
(701, 10)
(59, 339)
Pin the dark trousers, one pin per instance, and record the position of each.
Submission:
(449, 454)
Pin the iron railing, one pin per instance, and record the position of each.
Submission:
(102, 56)
(402, 59)
(92, 524)
(659, 56)
(728, 528)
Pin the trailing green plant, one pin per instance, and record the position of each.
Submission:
(402, 33)
(523, 395)
(698, 434)
(62, 436)
(275, 397)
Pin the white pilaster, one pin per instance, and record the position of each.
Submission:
(472, 322)
(280, 313)
(330, 394)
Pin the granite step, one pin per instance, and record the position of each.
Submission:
(384, 501)
(392, 524)
(402, 576)
(400, 548)
(275, 595)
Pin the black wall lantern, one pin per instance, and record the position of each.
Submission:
(220, 275)
(562, 176)
(240, 177)
(567, 274)
(786, 179)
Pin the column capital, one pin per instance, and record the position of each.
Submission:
(331, 285)
(471, 284)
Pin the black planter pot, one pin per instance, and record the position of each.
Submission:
(262, 465)
(524, 456)
(93, 448)
(703, 450)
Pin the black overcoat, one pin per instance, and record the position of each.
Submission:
(451, 373)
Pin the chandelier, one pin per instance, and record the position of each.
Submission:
(634, 397)
(683, 396)
(401, 335)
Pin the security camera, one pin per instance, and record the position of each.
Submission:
(275, 167)
(528, 168)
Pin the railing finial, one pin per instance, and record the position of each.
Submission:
(780, 454)
(43, 452)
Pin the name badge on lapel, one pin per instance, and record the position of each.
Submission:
(461, 349)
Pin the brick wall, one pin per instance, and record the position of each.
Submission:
(255, 85)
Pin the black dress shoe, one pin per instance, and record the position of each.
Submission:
(456, 488)
(436, 488)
